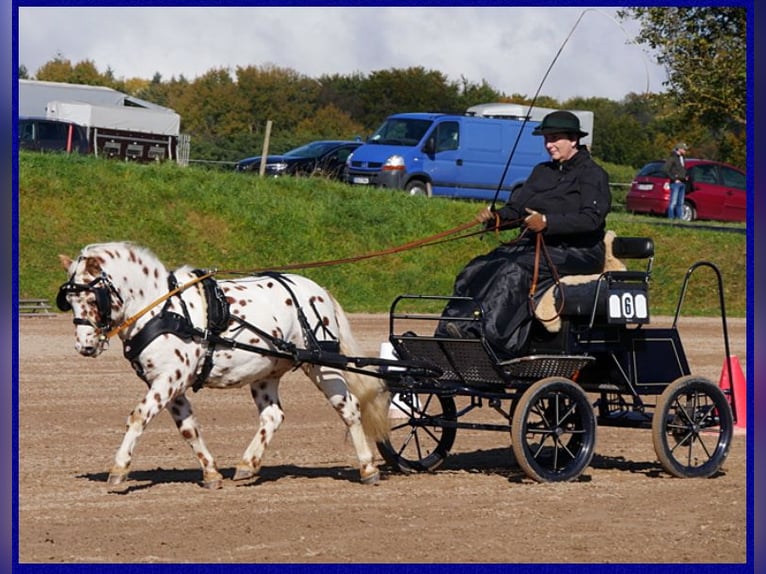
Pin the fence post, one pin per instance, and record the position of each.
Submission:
(265, 152)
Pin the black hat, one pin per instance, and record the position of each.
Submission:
(558, 123)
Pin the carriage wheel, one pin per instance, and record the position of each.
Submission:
(553, 431)
(692, 428)
(421, 435)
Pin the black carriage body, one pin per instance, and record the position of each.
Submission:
(640, 360)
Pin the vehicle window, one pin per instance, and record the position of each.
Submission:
(447, 135)
(26, 131)
(313, 149)
(704, 173)
(401, 131)
(52, 131)
(342, 154)
(733, 178)
(653, 169)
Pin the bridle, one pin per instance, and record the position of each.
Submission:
(103, 290)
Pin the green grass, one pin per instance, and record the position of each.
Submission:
(232, 221)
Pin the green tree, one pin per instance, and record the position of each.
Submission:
(343, 92)
(278, 94)
(59, 69)
(329, 122)
(704, 50)
(211, 105)
(85, 72)
(471, 94)
(413, 89)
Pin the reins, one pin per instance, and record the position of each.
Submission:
(447, 235)
(540, 248)
(431, 240)
(423, 242)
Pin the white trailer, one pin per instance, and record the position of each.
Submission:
(117, 125)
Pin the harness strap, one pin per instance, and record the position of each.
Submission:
(169, 322)
(164, 323)
(131, 320)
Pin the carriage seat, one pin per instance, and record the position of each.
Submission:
(577, 295)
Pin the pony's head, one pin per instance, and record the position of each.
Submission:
(91, 296)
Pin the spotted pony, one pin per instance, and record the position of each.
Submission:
(113, 288)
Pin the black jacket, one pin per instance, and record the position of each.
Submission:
(574, 196)
(674, 168)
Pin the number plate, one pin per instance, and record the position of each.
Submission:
(645, 186)
(361, 180)
(628, 306)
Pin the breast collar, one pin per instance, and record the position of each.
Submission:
(181, 326)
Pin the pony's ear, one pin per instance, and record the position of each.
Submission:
(66, 261)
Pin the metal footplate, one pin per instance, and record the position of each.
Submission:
(458, 360)
(540, 366)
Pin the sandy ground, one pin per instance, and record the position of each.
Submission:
(307, 506)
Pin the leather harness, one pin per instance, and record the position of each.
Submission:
(169, 322)
(218, 320)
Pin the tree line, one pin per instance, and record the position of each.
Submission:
(225, 111)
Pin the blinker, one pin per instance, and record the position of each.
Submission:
(101, 293)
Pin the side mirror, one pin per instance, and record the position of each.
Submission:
(429, 147)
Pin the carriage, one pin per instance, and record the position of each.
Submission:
(595, 361)
(599, 364)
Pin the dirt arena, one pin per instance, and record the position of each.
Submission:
(307, 505)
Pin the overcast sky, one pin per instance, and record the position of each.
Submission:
(510, 48)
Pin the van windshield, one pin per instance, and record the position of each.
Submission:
(400, 131)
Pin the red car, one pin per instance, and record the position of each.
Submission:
(715, 191)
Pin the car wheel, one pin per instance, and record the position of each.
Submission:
(688, 213)
(417, 187)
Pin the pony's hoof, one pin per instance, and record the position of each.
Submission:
(371, 477)
(212, 481)
(244, 471)
(214, 484)
(116, 478)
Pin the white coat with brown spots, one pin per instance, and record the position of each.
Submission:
(134, 278)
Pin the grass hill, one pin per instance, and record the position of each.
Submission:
(234, 221)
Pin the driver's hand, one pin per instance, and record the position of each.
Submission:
(535, 221)
(486, 214)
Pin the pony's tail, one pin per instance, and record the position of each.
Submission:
(371, 392)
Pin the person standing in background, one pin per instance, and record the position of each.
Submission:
(676, 170)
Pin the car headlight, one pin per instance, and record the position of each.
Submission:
(394, 163)
(278, 167)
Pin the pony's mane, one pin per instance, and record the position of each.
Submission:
(117, 249)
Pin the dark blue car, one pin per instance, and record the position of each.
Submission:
(325, 158)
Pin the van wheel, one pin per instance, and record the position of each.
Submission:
(417, 187)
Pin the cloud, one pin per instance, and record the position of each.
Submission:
(509, 47)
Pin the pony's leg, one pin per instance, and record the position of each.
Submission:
(162, 391)
(181, 411)
(154, 401)
(266, 397)
(332, 383)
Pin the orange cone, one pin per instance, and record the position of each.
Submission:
(739, 390)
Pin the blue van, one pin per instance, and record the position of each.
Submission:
(448, 155)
